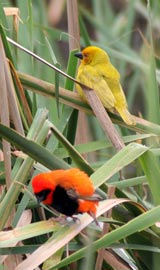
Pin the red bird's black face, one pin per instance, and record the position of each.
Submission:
(42, 195)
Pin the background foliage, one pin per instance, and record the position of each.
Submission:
(40, 130)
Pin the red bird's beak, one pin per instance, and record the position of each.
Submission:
(42, 195)
(79, 55)
(39, 198)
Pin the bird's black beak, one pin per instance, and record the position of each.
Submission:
(79, 55)
(39, 199)
(42, 195)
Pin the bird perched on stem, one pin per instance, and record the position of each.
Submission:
(97, 72)
(68, 191)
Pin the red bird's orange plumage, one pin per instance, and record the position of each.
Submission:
(67, 191)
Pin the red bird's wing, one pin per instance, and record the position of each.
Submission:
(73, 194)
(77, 180)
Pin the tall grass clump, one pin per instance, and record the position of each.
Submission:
(46, 126)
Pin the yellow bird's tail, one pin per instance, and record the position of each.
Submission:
(126, 116)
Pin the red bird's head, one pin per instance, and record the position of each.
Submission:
(43, 187)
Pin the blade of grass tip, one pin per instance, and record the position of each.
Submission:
(56, 76)
(6, 44)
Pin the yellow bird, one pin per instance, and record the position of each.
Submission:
(97, 72)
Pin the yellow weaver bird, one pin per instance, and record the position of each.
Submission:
(97, 72)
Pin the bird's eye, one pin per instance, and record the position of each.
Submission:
(85, 55)
(42, 195)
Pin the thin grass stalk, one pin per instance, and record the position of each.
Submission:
(74, 43)
(4, 115)
(73, 24)
(23, 100)
(11, 93)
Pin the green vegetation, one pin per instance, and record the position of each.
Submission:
(39, 131)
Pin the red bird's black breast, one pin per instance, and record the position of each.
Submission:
(63, 203)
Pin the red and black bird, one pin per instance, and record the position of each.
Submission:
(69, 192)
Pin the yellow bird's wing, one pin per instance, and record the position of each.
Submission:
(112, 78)
(90, 77)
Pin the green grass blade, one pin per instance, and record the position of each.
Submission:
(151, 169)
(84, 32)
(74, 154)
(123, 158)
(71, 70)
(72, 123)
